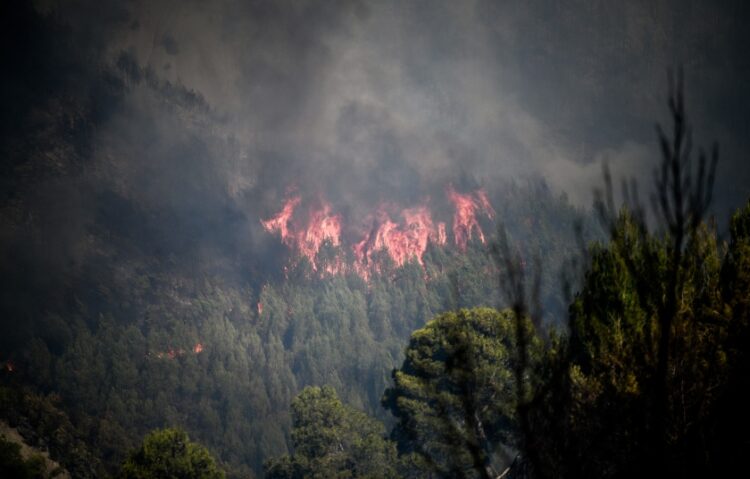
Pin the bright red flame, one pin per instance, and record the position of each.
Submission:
(484, 203)
(321, 226)
(404, 239)
(467, 205)
(442, 237)
(280, 222)
(403, 242)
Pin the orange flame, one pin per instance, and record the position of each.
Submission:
(442, 237)
(280, 222)
(403, 240)
(173, 353)
(484, 202)
(467, 205)
(321, 226)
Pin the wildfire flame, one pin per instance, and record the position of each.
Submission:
(404, 236)
(173, 353)
(403, 242)
(467, 205)
(321, 226)
(280, 222)
(442, 237)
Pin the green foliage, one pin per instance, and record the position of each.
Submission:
(169, 453)
(43, 425)
(103, 274)
(736, 270)
(99, 355)
(12, 463)
(455, 396)
(332, 440)
(595, 416)
(91, 307)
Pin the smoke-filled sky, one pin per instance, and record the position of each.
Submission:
(395, 91)
(227, 105)
(379, 97)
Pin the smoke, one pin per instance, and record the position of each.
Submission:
(371, 101)
(189, 121)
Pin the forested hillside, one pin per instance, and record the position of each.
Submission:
(483, 393)
(648, 375)
(306, 239)
(125, 310)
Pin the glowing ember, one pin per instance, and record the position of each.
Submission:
(336, 266)
(173, 353)
(260, 308)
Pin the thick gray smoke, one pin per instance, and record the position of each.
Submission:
(370, 100)
(218, 108)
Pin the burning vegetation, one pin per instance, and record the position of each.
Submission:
(174, 353)
(403, 234)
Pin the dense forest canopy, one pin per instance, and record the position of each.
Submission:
(355, 239)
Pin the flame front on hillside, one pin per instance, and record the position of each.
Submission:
(465, 217)
(402, 233)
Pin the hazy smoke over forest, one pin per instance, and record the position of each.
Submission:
(178, 178)
(373, 101)
(200, 118)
